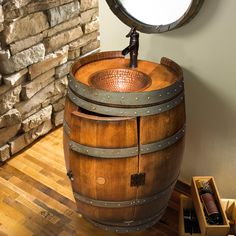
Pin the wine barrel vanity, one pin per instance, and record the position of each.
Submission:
(123, 138)
(124, 123)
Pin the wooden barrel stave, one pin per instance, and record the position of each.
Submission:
(98, 131)
(158, 127)
(153, 208)
(98, 182)
(103, 132)
(67, 154)
(119, 214)
(90, 169)
(69, 108)
(163, 168)
(108, 215)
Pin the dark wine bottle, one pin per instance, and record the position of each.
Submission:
(211, 210)
(190, 222)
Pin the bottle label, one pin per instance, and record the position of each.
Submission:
(209, 203)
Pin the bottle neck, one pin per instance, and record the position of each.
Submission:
(199, 184)
(204, 186)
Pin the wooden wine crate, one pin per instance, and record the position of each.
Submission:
(206, 229)
(185, 203)
(229, 207)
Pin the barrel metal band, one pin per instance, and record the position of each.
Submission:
(121, 204)
(128, 229)
(135, 222)
(104, 152)
(125, 111)
(125, 98)
(125, 152)
(165, 143)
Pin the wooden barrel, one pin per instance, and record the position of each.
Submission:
(123, 150)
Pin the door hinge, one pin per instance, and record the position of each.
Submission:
(137, 179)
(70, 175)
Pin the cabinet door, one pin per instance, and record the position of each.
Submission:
(99, 178)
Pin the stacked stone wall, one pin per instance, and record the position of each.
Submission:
(39, 41)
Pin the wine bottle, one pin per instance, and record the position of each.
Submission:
(211, 210)
(190, 222)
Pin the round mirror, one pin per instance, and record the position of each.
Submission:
(155, 16)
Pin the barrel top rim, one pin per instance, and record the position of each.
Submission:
(145, 97)
(166, 66)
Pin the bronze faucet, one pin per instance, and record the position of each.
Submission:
(133, 47)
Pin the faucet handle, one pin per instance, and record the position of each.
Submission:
(132, 32)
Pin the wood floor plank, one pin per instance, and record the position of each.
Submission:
(51, 202)
(10, 226)
(2, 234)
(10, 211)
(36, 208)
(51, 152)
(18, 164)
(36, 222)
(48, 167)
(7, 191)
(36, 197)
(30, 161)
(59, 166)
(36, 184)
(31, 164)
(15, 188)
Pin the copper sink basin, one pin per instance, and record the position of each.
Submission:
(120, 80)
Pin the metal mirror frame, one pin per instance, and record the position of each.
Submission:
(118, 9)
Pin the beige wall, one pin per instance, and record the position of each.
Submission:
(206, 49)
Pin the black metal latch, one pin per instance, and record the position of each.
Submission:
(70, 175)
(137, 179)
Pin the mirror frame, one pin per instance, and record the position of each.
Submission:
(118, 9)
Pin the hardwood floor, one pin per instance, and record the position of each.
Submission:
(36, 197)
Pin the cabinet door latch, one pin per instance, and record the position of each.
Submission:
(137, 179)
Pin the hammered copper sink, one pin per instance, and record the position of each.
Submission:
(120, 80)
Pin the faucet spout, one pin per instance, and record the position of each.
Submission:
(133, 47)
(126, 51)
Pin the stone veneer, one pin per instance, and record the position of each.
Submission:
(39, 40)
